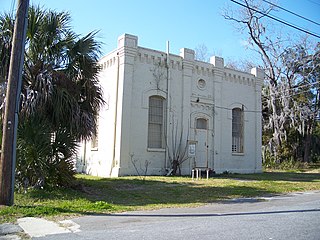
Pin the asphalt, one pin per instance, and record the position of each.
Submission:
(132, 223)
(10, 231)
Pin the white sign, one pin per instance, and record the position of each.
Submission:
(192, 150)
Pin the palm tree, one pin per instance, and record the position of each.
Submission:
(61, 69)
(6, 33)
(60, 91)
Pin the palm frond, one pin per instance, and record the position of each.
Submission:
(61, 95)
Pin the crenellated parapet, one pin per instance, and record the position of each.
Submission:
(153, 95)
(128, 46)
(239, 77)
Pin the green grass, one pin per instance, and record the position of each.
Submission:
(107, 195)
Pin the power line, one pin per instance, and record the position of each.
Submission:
(280, 19)
(314, 2)
(277, 6)
(226, 108)
(255, 111)
(13, 3)
(277, 19)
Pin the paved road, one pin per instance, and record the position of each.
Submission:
(289, 217)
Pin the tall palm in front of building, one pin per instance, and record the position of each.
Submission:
(60, 95)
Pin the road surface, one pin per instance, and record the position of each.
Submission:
(289, 217)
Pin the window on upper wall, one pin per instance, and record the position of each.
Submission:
(201, 123)
(237, 130)
(156, 121)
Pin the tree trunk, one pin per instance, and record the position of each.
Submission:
(306, 156)
(275, 120)
(307, 144)
(179, 170)
(175, 164)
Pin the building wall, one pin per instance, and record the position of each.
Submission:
(99, 161)
(239, 92)
(131, 74)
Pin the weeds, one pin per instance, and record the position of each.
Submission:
(109, 195)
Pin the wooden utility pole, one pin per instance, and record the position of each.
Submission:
(10, 121)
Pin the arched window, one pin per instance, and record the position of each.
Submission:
(237, 130)
(201, 123)
(156, 122)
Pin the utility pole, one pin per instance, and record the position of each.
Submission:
(10, 121)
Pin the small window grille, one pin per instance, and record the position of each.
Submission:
(156, 122)
(237, 130)
(201, 123)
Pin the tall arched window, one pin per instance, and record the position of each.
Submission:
(237, 130)
(156, 122)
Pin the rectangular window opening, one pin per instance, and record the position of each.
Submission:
(237, 130)
(156, 122)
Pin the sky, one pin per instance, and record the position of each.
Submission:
(184, 23)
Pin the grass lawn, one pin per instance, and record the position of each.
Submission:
(108, 195)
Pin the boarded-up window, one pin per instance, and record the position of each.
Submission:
(156, 122)
(237, 130)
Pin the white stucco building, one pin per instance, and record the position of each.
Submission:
(154, 99)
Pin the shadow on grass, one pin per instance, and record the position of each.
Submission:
(105, 195)
(278, 176)
(135, 192)
(42, 210)
(139, 192)
(124, 194)
(54, 194)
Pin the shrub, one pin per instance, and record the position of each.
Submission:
(44, 157)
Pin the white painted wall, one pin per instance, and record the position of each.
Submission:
(128, 82)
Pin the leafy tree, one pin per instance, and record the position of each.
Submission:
(60, 97)
(6, 33)
(302, 66)
(289, 95)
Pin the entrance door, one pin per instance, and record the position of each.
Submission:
(202, 145)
